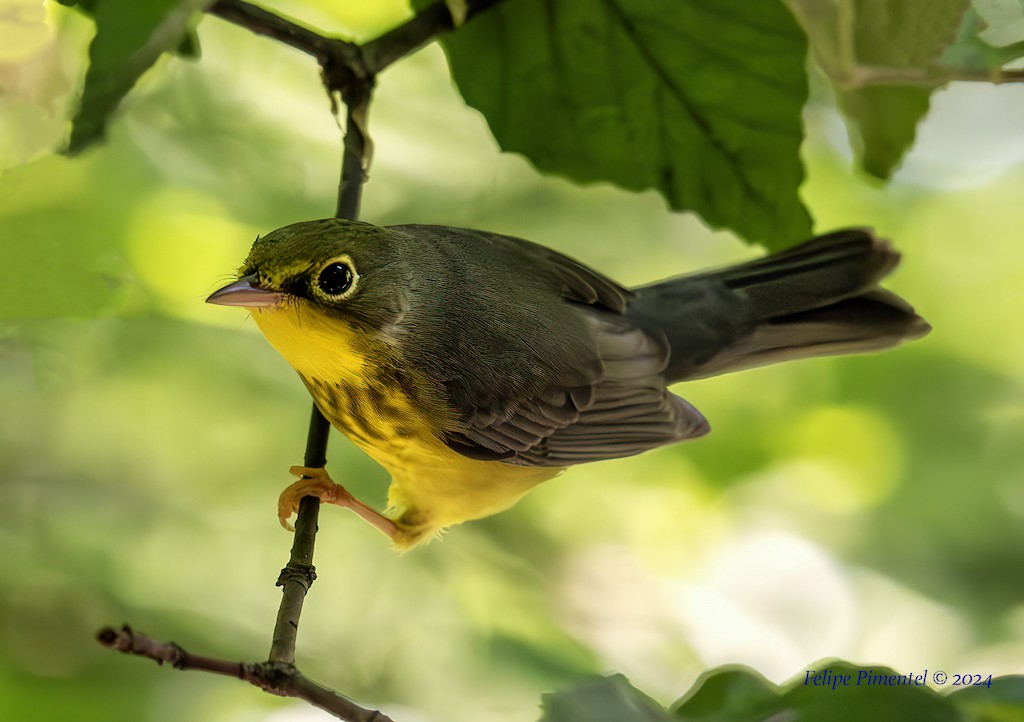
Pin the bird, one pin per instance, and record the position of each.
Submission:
(474, 365)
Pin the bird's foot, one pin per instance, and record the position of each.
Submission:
(312, 482)
(317, 483)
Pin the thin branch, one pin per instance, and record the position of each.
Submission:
(345, 63)
(355, 164)
(281, 29)
(409, 37)
(298, 574)
(282, 680)
(929, 76)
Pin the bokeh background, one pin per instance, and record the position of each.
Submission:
(870, 508)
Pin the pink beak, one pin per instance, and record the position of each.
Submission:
(245, 292)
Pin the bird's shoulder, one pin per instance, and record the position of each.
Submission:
(497, 252)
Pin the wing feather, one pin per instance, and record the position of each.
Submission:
(625, 409)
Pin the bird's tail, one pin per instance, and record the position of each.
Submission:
(818, 298)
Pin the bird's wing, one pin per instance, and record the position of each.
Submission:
(622, 410)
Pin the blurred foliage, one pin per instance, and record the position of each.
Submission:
(655, 94)
(610, 699)
(831, 690)
(886, 60)
(869, 508)
(860, 37)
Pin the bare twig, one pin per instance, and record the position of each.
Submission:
(355, 163)
(861, 76)
(297, 576)
(280, 679)
(346, 63)
(281, 29)
(409, 37)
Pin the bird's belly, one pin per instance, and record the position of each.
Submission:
(432, 486)
(437, 487)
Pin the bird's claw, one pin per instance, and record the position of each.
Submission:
(312, 482)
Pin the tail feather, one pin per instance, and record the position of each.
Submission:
(818, 298)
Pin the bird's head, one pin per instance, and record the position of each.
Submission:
(329, 295)
(341, 269)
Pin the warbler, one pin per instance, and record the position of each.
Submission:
(474, 365)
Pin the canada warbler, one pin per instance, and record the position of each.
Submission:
(474, 365)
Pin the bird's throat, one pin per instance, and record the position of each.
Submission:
(315, 344)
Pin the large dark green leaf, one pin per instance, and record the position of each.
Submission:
(130, 36)
(700, 100)
(879, 55)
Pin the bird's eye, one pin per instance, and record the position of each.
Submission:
(336, 279)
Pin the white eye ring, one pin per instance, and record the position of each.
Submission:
(337, 279)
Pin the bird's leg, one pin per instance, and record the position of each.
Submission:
(316, 482)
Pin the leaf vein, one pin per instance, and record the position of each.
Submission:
(732, 162)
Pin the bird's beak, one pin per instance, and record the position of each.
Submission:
(245, 292)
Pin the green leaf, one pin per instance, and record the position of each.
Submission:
(971, 55)
(911, 35)
(882, 122)
(608, 699)
(701, 101)
(130, 36)
(188, 48)
(1002, 702)
(905, 34)
(728, 694)
(879, 54)
(1004, 20)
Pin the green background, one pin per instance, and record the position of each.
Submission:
(868, 508)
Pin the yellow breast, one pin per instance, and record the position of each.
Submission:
(393, 416)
